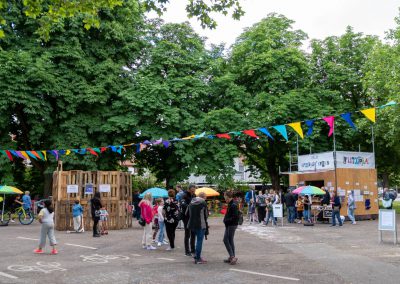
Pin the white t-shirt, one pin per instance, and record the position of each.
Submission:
(160, 213)
(47, 217)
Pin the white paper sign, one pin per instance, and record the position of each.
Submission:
(329, 183)
(357, 192)
(387, 220)
(358, 198)
(341, 192)
(320, 161)
(347, 182)
(104, 187)
(277, 210)
(357, 183)
(72, 188)
(355, 160)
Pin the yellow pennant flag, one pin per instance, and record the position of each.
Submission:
(189, 137)
(23, 153)
(67, 152)
(370, 114)
(45, 155)
(297, 127)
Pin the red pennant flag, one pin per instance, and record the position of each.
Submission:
(251, 133)
(103, 149)
(224, 135)
(9, 155)
(331, 122)
(93, 152)
(36, 154)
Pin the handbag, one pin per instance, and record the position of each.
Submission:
(97, 213)
(142, 222)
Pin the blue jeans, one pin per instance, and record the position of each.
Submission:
(336, 213)
(291, 214)
(270, 216)
(161, 231)
(199, 242)
(350, 214)
(307, 215)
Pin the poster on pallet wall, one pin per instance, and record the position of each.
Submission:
(104, 187)
(72, 188)
(89, 188)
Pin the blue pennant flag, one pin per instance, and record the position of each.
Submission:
(310, 124)
(347, 116)
(282, 130)
(266, 132)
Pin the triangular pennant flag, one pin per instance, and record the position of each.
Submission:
(310, 124)
(370, 114)
(282, 130)
(97, 150)
(93, 152)
(251, 133)
(36, 155)
(347, 116)
(8, 154)
(14, 153)
(211, 136)
(61, 152)
(224, 135)
(166, 143)
(297, 127)
(236, 133)
(39, 154)
(266, 132)
(103, 149)
(391, 103)
(147, 142)
(331, 122)
(189, 137)
(26, 156)
(67, 152)
(30, 154)
(157, 142)
(200, 135)
(54, 153)
(45, 155)
(19, 154)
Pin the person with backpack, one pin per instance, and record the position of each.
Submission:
(172, 215)
(231, 221)
(95, 206)
(290, 205)
(250, 195)
(261, 203)
(336, 206)
(190, 236)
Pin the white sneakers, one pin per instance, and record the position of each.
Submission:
(151, 248)
(159, 244)
(169, 248)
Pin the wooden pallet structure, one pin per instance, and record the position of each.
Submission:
(117, 202)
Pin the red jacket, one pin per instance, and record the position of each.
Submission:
(146, 210)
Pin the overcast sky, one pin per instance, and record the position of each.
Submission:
(318, 18)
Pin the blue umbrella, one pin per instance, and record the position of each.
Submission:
(156, 192)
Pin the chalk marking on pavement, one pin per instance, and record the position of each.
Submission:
(263, 274)
(8, 275)
(23, 238)
(163, 258)
(74, 245)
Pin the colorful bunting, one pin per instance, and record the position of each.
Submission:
(44, 155)
(54, 153)
(331, 122)
(7, 154)
(93, 152)
(251, 133)
(347, 116)
(266, 132)
(297, 127)
(166, 143)
(30, 154)
(310, 124)
(370, 114)
(282, 130)
(25, 155)
(224, 135)
(159, 141)
(200, 135)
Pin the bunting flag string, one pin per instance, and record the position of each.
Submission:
(369, 113)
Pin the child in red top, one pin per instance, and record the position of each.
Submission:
(147, 215)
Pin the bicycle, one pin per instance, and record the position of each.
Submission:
(25, 217)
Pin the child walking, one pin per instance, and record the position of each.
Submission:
(77, 214)
(161, 223)
(46, 218)
(103, 221)
(270, 213)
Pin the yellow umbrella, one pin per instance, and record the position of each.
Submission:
(208, 191)
(10, 189)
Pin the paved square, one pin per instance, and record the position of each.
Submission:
(289, 254)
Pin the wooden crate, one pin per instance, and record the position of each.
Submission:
(117, 201)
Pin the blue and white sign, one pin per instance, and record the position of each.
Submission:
(89, 188)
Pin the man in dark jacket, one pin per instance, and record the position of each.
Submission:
(198, 214)
(290, 205)
(231, 221)
(336, 205)
(190, 236)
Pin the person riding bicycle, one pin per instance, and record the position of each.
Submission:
(16, 204)
(27, 203)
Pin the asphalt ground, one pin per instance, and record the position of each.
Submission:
(289, 254)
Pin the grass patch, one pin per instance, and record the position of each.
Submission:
(396, 206)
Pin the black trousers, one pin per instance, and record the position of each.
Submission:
(228, 240)
(95, 225)
(189, 235)
(261, 213)
(171, 228)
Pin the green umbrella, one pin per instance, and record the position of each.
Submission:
(5, 189)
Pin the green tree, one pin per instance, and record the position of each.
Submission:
(51, 13)
(167, 99)
(58, 94)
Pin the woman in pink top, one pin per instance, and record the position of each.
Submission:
(147, 214)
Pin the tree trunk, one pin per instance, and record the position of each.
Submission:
(385, 179)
